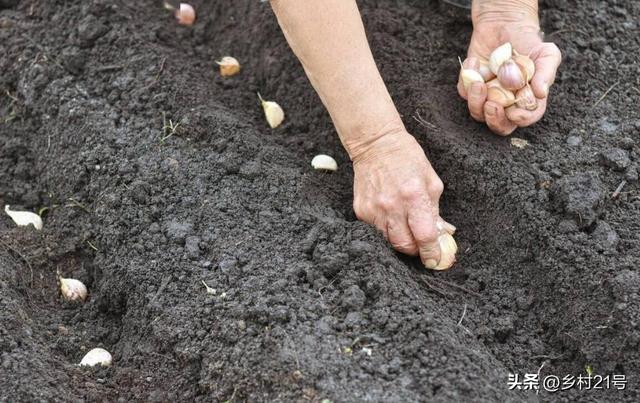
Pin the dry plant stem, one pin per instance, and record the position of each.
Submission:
(333, 49)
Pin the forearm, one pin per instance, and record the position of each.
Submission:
(329, 39)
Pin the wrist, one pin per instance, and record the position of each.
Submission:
(393, 138)
(362, 140)
(505, 12)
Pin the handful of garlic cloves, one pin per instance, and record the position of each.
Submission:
(507, 74)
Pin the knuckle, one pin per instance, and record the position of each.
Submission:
(412, 190)
(384, 203)
(435, 188)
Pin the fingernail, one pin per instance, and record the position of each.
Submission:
(492, 110)
(430, 263)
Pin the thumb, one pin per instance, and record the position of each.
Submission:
(425, 233)
(547, 58)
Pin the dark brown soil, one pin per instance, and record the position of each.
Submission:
(548, 270)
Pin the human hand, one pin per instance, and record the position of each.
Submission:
(515, 21)
(397, 191)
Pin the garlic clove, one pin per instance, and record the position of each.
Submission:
(97, 356)
(485, 71)
(469, 76)
(511, 76)
(24, 218)
(526, 65)
(444, 226)
(448, 250)
(72, 290)
(525, 99)
(500, 55)
(185, 14)
(324, 162)
(498, 94)
(519, 143)
(273, 112)
(229, 66)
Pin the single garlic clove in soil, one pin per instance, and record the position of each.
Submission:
(500, 55)
(448, 250)
(273, 112)
(97, 356)
(496, 93)
(525, 99)
(469, 76)
(526, 65)
(485, 71)
(229, 66)
(324, 162)
(511, 76)
(185, 14)
(24, 218)
(72, 290)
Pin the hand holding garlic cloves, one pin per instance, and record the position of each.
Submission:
(516, 66)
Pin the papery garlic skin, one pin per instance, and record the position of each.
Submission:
(500, 55)
(97, 356)
(511, 76)
(185, 14)
(525, 99)
(229, 66)
(73, 290)
(24, 218)
(273, 112)
(448, 250)
(324, 162)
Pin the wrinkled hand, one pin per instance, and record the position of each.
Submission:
(397, 191)
(518, 24)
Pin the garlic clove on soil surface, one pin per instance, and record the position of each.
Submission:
(229, 66)
(24, 218)
(73, 290)
(97, 356)
(273, 112)
(185, 14)
(324, 162)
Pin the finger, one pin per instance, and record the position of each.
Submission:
(423, 227)
(497, 119)
(400, 236)
(468, 63)
(547, 58)
(476, 98)
(522, 117)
